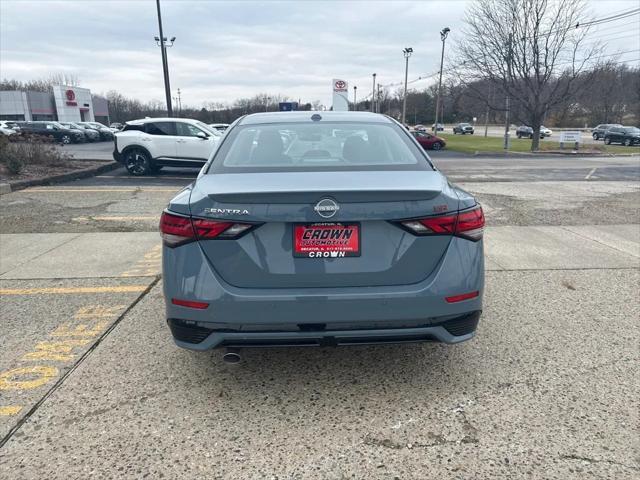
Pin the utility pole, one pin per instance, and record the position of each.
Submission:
(373, 94)
(379, 110)
(355, 103)
(407, 53)
(443, 36)
(506, 101)
(165, 66)
(179, 103)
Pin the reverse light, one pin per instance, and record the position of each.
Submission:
(467, 224)
(461, 297)
(180, 229)
(189, 304)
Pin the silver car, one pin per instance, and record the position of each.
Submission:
(314, 229)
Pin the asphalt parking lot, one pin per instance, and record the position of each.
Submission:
(91, 385)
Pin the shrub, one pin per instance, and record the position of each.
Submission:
(25, 150)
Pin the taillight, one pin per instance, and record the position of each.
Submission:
(178, 230)
(468, 224)
(190, 304)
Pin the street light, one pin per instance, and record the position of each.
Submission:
(355, 104)
(373, 94)
(443, 36)
(407, 53)
(162, 43)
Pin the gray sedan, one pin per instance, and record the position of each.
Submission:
(315, 229)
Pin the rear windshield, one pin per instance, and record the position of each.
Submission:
(325, 146)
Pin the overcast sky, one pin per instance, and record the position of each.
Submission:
(226, 50)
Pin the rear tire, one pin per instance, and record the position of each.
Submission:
(607, 141)
(436, 146)
(596, 136)
(66, 139)
(137, 162)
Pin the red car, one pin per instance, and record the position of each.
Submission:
(429, 141)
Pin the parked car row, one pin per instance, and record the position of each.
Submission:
(63, 132)
(616, 133)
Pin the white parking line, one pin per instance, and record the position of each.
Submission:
(590, 173)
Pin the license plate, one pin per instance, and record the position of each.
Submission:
(326, 240)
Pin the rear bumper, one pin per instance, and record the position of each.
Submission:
(205, 336)
(314, 314)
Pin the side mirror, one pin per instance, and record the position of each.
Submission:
(202, 136)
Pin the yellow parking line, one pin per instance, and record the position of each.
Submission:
(64, 290)
(10, 410)
(118, 219)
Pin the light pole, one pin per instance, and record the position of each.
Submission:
(407, 53)
(162, 43)
(373, 94)
(355, 104)
(443, 36)
(378, 109)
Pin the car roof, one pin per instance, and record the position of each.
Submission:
(305, 116)
(142, 121)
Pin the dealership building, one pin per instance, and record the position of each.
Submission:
(65, 104)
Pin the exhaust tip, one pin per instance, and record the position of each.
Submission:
(232, 357)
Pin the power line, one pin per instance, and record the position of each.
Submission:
(598, 21)
(602, 30)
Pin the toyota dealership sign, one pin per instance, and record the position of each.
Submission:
(340, 95)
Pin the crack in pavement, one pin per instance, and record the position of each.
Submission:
(598, 460)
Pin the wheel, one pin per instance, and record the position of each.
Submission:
(66, 139)
(531, 136)
(518, 135)
(596, 136)
(607, 140)
(470, 133)
(454, 132)
(627, 142)
(436, 146)
(137, 162)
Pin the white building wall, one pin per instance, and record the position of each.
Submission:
(14, 103)
(74, 107)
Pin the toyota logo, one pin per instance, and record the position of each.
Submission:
(341, 84)
(71, 96)
(326, 208)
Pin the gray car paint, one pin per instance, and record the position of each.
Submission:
(256, 280)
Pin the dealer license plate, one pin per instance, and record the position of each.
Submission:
(326, 240)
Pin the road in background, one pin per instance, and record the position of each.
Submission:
(91, 384)
(498, 131)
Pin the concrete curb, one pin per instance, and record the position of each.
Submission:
(84, 173)
(543, 153)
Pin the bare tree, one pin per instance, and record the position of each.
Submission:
(530, 50)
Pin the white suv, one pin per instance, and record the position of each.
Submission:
(145, 146)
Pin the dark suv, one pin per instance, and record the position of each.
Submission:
(463, 128)
(625, 135)
(526, 132)
(598, 132)
(52, 129)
